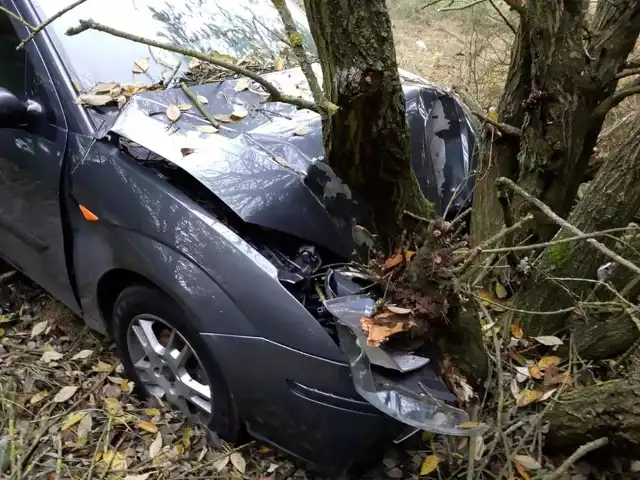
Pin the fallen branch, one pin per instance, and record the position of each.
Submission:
(51, 19)
(575, 456)
(503, 127)
(502, 181)
(17, 18)
(198, 105)
(275, 94)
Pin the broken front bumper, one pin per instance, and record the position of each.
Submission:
(404, 386)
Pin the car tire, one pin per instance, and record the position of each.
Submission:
(145, 302)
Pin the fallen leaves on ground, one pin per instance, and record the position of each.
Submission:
(429, 464)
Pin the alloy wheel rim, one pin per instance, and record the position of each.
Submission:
(168, 367)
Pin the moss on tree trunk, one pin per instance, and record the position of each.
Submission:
(367, 139)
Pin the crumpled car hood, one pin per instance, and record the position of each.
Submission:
(271, 172)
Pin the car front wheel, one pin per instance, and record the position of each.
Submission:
(165, 357)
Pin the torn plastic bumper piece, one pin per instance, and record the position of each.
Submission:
(413, 395)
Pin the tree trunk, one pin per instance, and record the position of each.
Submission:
(611, 201)
(609, 409)
(367, 139)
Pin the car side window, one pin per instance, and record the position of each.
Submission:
(12, 73)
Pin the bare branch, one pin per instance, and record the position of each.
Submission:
(628, 73)
(199, 106)
(275, 94)
(503, 127)
(502, 181)
(503, 16)
(295, 39)
(461, 7)
(51, 19)
(575, 456)
(615, 99)
(17, 18)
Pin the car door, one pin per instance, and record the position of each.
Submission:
(31, 159)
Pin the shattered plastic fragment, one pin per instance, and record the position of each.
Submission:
(419, 409)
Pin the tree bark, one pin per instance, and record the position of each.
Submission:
(367, 139)
(611, 201)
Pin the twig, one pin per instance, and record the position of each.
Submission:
(275, 94)
(503, 16)
(415, 216)
(499, 236)
(105, 433)
(503, 127)
(17, 18)
(198, 104)
(575, 456)
(297, 46)
(551, 243)
(58, 438)
(566, 225)
(461, 7)
(213, 461)
(431, 4)
(49, 20)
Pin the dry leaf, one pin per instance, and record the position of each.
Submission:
(408, 255)
(429, 464)
(114, 460)
(142, 476)
(104, 88)
(527, 462)
(221, 463)
(151, 412)
(549, 361)
(515, 389)
(186, 151)
(202, 100)
(522, 471)
(377, 334)
(527, 396)
(242, 84)
(224, 118)
(155, 446)
(549, 340)
(394, 260)
(535, 372)
(82, 354)
(302, 130)
(141, 65)
(278, 63)
(555, 379)
(173, 112)
(147, 426)
(94, 100)
(501, 292)
(72, 419)
(65, 394)
(101, 367)
(421, 44)
(39, 328)
(547, 395)
(516, 331)
(38, 397)
(468, 425)
(207, 129)
(239, 113)
(194, 62)
(185, 106)
(112, 405)
(50, 356)
(85, 426)
(238, 461)
(398, 310)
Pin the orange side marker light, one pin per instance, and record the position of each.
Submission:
(88, 215)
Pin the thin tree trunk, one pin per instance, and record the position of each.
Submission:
(367, 139)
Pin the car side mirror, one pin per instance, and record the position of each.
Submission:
(14, 113)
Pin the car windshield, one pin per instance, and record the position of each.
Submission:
(238, 28)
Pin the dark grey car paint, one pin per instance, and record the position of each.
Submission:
(289, 379)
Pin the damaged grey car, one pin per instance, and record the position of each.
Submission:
(217, 257)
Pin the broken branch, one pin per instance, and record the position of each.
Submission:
(503, 127)
(566, 225)
(199, 106)
(51, 19)
(17, 18)
(575, 456)
(275, 94)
